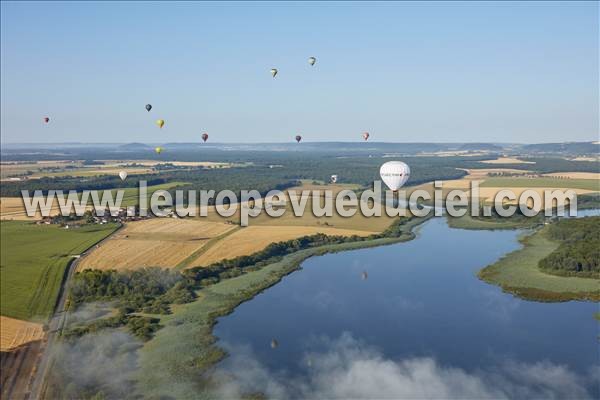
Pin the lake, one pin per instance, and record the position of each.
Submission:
(410, 306)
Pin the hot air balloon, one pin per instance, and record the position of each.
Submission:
(333, 178)
(158, 150)
(365, 136)
(312, 60)
(273, 72)
(364, 275)
(123, 175)
(160, 123)
(298, 138)
(394, 174)
(46, 119)
(274, 344)
(205, 137)
(148, 107)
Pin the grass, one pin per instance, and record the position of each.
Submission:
(585, 184)
(131, 195)
(172, 364)
(33, 261)
(518, 273)
(488, 223)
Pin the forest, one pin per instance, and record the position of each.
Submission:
(579, 251)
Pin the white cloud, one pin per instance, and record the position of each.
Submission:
(352, 370)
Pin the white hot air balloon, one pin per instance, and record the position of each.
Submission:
(394, 174)
(274, 72)
(312, 60)
(333, 178)
(123, 175)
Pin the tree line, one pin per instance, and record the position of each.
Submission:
(579, 251)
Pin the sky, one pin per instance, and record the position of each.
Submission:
(405, 72)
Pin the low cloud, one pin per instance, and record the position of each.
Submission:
(96, 363)
(350, 369)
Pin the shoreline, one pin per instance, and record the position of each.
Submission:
(517, 273)
(186, 345)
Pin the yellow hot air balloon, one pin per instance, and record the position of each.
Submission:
(158, 150)
(160, 123)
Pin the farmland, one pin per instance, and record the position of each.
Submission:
(78, 168)
(254, 238)
(162, 242)
(507, 160)
(545, 182)
(33, 260)
(12, 208)
(172, 361)
(16, 332)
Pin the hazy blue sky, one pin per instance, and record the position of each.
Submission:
(521, 72)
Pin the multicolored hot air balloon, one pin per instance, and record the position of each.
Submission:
(46, 119)
(158, 150)
(273, 72)
(148, 107)
(205, 137)
(298, 138)
(160, 123)
(365, 136)
(312, 60)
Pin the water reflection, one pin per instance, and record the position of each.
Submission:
(422, 316)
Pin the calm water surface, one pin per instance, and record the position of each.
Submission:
(420, 299)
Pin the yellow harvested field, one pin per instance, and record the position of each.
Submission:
(463, 153)
(489, 193)
(483, 172)
(12, 208)
(156, 242)
(575, 175)
(16, 332)
(12, 168)
(255, 238)
(153, 163)
(507, 160)
(96, 171)
(357, 222)
(587, 158)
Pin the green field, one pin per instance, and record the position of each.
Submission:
(588, 184)
(518, 273)
(491, 223)
(32, 264)
(131, 195)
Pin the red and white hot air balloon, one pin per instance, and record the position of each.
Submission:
(365, 136)
(205, 137)
(46, 119)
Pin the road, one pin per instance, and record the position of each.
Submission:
(57, 322)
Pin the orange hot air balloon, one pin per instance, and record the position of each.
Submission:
(46, 119)
(365, 135)
(205, 137)
(298, 138)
